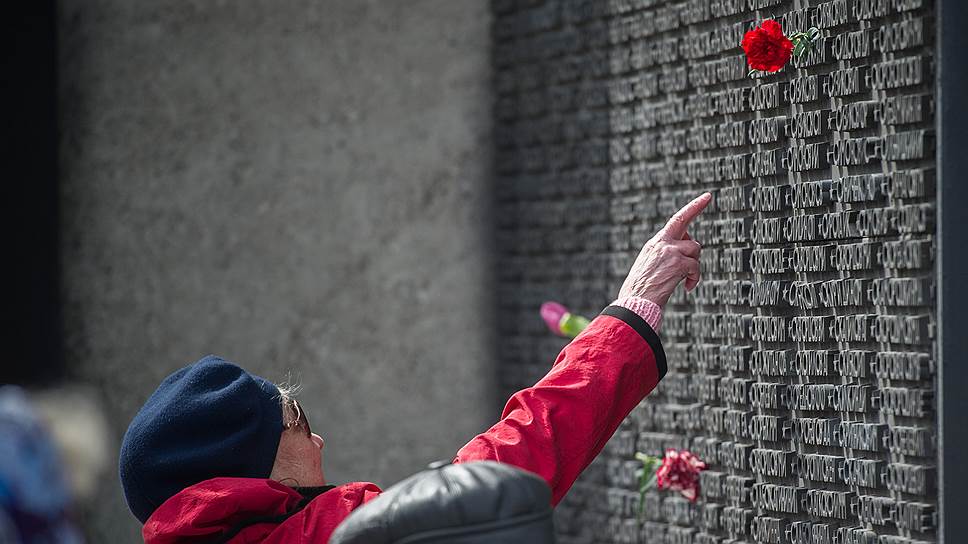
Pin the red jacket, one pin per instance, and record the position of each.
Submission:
(554, 429)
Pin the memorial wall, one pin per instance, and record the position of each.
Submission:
(802, 369)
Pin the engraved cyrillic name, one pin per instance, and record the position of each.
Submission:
(711, 485)
(768, 230)
(908, 478)
(810, 329)
(768, 395)
(839, 293)
(903, 110)
(853, 363)
(914, 516)
(875, 510)
(735, 358)
(901, 401)
(831, 14)
(852, 328)
(915, 441)
(766, 130)
(848, 81)
(894, 365)
(734, 455)
(895, 74)
(854, 151)
(829, 504)
(765, 97)
(709, 513)
(736, 521)
(906, 146)
(905, 254)
(737, 489)
(736, 423)
(853, 116)
(900, 35)
(860, 188)
(816, 431)
(814, 362)
(767, 428)
(771, 462)
(770, 198)
(772, 362)
(901, 329)
(852, 45)
(821, 397)
(863, 436)
(807, 532)
(810, 258)
(768, 530)
(854, 257)
(734, 390)
(778, 498)
(768, 329)
(806, 157)
(862, 472)
(807, 124)
(768, 261)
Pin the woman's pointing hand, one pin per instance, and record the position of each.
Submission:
(668, 258)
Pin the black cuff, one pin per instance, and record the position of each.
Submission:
(639, 325)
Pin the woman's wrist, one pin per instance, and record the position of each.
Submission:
(644, 308)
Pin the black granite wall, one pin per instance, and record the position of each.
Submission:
(803, 367)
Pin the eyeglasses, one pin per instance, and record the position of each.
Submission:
(300, 420)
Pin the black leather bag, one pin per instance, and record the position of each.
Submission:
(467, 503)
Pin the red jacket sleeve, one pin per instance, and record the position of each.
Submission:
(557, 427)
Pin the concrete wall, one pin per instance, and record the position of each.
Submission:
(298, 186)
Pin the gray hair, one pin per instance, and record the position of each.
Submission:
(287, 393)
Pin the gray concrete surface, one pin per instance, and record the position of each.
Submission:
(298, 186)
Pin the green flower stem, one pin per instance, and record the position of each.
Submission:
(571, 324)
(647, 477)
(803, 42)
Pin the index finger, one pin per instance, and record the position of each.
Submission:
(675, 229)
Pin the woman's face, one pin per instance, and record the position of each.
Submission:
(299, 459)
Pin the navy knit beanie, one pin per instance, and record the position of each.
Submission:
(206, 420)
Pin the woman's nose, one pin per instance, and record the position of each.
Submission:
(318, 440)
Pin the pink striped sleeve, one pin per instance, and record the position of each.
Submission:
(644, 308)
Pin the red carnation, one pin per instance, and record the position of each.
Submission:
(766, 47)
(680, 471)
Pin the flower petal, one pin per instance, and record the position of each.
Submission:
(551, 313)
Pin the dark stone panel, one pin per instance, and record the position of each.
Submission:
(804, 369)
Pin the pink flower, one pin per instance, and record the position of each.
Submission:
(551, 313)
(680, 471)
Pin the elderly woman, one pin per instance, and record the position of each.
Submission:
(220, 455)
